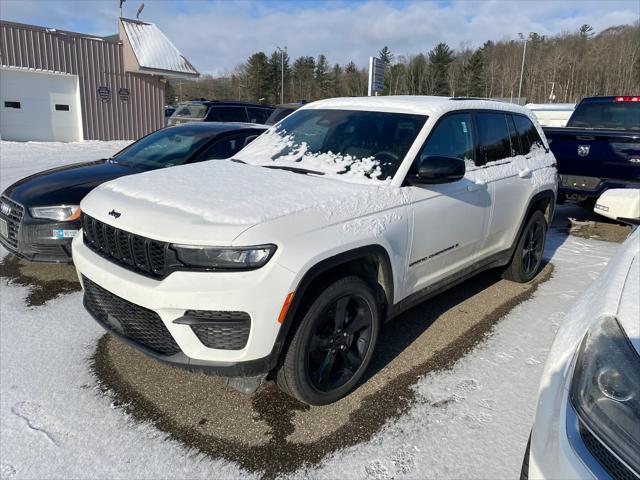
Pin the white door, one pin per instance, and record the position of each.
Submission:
(450, 220)
(39, 105)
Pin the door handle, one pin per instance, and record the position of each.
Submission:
(476, 186)
(524, 173)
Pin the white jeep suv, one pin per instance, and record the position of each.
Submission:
(286, 259)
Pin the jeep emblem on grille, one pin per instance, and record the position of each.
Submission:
(114, 214)
(583, 150)
(5, 208)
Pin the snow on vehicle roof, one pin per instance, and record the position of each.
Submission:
(414, 104)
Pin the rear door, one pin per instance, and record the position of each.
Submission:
(510, 169)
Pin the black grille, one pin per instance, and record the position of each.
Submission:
(131, 251)
(609, 462)
(13, 218)
(136, 323)
(222, 330)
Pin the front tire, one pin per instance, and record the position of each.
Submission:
(527, 257)
(333, 344)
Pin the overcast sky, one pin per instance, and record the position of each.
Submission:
(217, 35)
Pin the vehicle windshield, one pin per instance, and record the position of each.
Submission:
(191, 110)
(165, 148)
(342, 143)
(609, 114)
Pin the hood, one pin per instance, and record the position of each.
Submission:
(66, 185)
(214, 202)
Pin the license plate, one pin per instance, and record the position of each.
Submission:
(4, 228)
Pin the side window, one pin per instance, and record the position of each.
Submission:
(229, 114)
(527, 132)
(258, 115)
(493, 137)
(451, 137)
(224, 148)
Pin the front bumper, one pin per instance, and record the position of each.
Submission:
(34, 239)
(260, 293)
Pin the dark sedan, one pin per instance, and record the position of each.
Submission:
(39, 215)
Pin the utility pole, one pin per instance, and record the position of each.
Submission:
(282, 52)
(524, 53)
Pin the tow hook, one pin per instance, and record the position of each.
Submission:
(247, 385)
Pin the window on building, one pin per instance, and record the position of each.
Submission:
(12, 105)
(61, 107)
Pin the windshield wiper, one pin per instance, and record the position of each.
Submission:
(293, 169)
(237, 160)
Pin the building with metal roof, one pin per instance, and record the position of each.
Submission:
(57, 85)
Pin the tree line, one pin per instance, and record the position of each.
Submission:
(560, 68)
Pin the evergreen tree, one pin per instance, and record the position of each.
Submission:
(169, 94)
(302, 78)
(257, 77)
(276, 73)
(386, 56)
(439, 60)
(586, 31)
(474, 75)
(322, 78)
(336, 81)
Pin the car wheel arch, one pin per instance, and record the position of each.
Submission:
(371, 262)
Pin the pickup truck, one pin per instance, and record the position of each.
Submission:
(599, 148)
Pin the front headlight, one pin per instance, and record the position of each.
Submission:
(59, 213)
(605, 389)
(221, 258)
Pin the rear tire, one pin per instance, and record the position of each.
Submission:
(333, 345)
(527, 257)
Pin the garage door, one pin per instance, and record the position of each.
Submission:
(40, 106)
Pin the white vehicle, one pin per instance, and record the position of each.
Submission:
(288, 258)
(552, 114)
(587, 421)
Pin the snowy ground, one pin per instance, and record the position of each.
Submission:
(471, 421)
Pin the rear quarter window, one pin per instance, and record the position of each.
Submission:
(527, 134)
(228, 114)
(258, 115)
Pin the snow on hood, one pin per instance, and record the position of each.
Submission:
(223, 192)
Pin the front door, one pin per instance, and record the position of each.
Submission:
(450, 220)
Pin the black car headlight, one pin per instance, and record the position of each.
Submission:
(605, 389)
(59, 213)
(224, 258)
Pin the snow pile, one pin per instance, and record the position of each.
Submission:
(276, 147)
(231, 193)
(19, 159)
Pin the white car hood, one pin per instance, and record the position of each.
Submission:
(213, 202)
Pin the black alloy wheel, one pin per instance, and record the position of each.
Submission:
(333, 342)
(527, 257)
(340, 342)
(533, 248)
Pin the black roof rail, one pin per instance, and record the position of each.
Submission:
(473, 98)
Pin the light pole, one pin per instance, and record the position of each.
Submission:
(524, 53)
(282, 52)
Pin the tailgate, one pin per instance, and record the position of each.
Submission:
(602, 154)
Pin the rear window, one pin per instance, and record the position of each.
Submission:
(278, 114)
(229, 114)
(493, 137)
(527, 134)
(607, 114)
(258, 115)
(191, 110)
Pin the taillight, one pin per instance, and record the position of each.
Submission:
(627, 99)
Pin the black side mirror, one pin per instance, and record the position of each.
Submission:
(439, 169)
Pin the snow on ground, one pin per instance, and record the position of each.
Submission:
(471, 421)
(18, 159)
